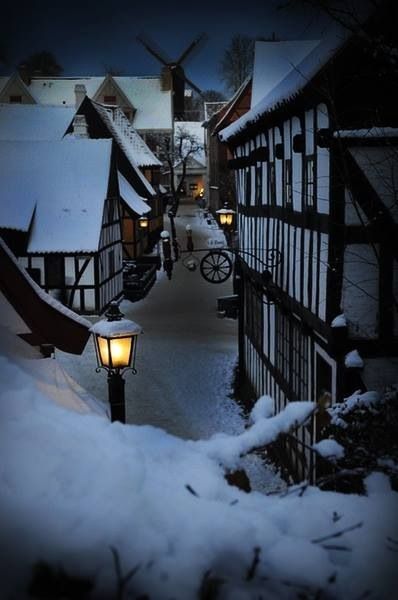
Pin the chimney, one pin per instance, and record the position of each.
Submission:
(80, 129)
(80, 94)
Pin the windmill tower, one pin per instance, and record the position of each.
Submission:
(173, 75)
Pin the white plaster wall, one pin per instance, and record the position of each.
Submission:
(297, 175)
(323, 275)
(323, 164)
(278, 170)
(309, 131)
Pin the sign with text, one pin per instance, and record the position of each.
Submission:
(215, 243)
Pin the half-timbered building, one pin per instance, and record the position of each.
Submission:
(316, 173)
(60, 215)
(137, 164)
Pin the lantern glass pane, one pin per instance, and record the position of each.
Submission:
(228, 219)
(120, 350)
(223, 219)
(143, 222)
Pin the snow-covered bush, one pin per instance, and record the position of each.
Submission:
(366, 426)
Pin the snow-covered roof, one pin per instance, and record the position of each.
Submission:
(128, 138)
(298, 77)
(58, 186)
(60, 91)
(130, 196)
(379, 165)
(152, 104)
(273, 61)
(34, 122)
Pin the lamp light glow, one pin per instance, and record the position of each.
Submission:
(143, 222)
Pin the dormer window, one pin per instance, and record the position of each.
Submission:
(15, 99)
(110, 100)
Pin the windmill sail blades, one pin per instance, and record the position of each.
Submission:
(152, 48)
(195, 45)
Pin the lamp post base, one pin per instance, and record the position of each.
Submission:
(116, 397)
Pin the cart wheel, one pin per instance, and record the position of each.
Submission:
(216, 267)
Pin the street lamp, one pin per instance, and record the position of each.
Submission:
(115, 341)
(143, 222)
(226, 217)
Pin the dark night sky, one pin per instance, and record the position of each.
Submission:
(87, 36)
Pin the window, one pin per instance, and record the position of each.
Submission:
(288, 187)
(109, 99)
(309, 183)
(254, 315)
(292, 355)
(15, 99)
(54, 268)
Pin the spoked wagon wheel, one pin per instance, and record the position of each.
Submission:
(216, 266)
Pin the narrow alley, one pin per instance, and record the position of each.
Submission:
(186, 356)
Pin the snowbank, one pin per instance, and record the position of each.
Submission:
(73, 485)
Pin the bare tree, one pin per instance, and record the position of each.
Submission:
(176, 155)
(237, 62)
(41, 63)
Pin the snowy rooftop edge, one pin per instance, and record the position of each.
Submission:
(292, 84)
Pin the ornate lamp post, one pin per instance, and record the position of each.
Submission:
(115, 341)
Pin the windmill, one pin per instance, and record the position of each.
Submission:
(173, 76)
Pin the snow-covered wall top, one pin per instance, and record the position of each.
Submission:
(298, 77)
(62, 186)
(34, 122)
